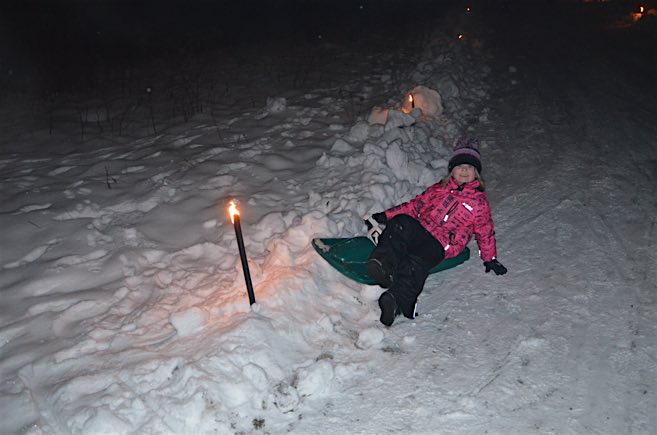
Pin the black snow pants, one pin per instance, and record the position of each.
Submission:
(408, 252)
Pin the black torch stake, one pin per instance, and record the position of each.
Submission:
(240, 245)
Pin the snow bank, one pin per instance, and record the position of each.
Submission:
(129, 310)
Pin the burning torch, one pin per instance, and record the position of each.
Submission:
(235, 219)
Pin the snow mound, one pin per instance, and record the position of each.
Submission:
(426, 99)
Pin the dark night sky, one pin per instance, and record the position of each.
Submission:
(152, 24)
(65, 39)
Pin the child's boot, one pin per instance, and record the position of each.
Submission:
(389, 308)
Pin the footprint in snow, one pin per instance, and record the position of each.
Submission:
(60, 170)
(32, 207)
(31, 256)
(73, 260)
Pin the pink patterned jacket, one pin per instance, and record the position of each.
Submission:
(452, 214)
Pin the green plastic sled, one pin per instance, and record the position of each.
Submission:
(349, 256)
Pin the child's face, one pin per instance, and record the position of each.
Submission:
(463, 173)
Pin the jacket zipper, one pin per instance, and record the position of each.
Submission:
(451, 209)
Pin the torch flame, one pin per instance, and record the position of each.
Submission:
(233, 211)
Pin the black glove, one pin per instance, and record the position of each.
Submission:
(379, 217)
(495, 266)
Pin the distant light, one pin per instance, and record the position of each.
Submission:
(467, 9)
(411, 100)
(461, 36)
(641, 9)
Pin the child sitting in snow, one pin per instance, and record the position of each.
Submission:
(434, 225)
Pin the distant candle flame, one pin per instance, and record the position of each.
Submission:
(411, 100)
(460, 36)
(641, 9)
(467, 9)
(233, 211)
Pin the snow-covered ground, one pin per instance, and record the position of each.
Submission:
(124, 307)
